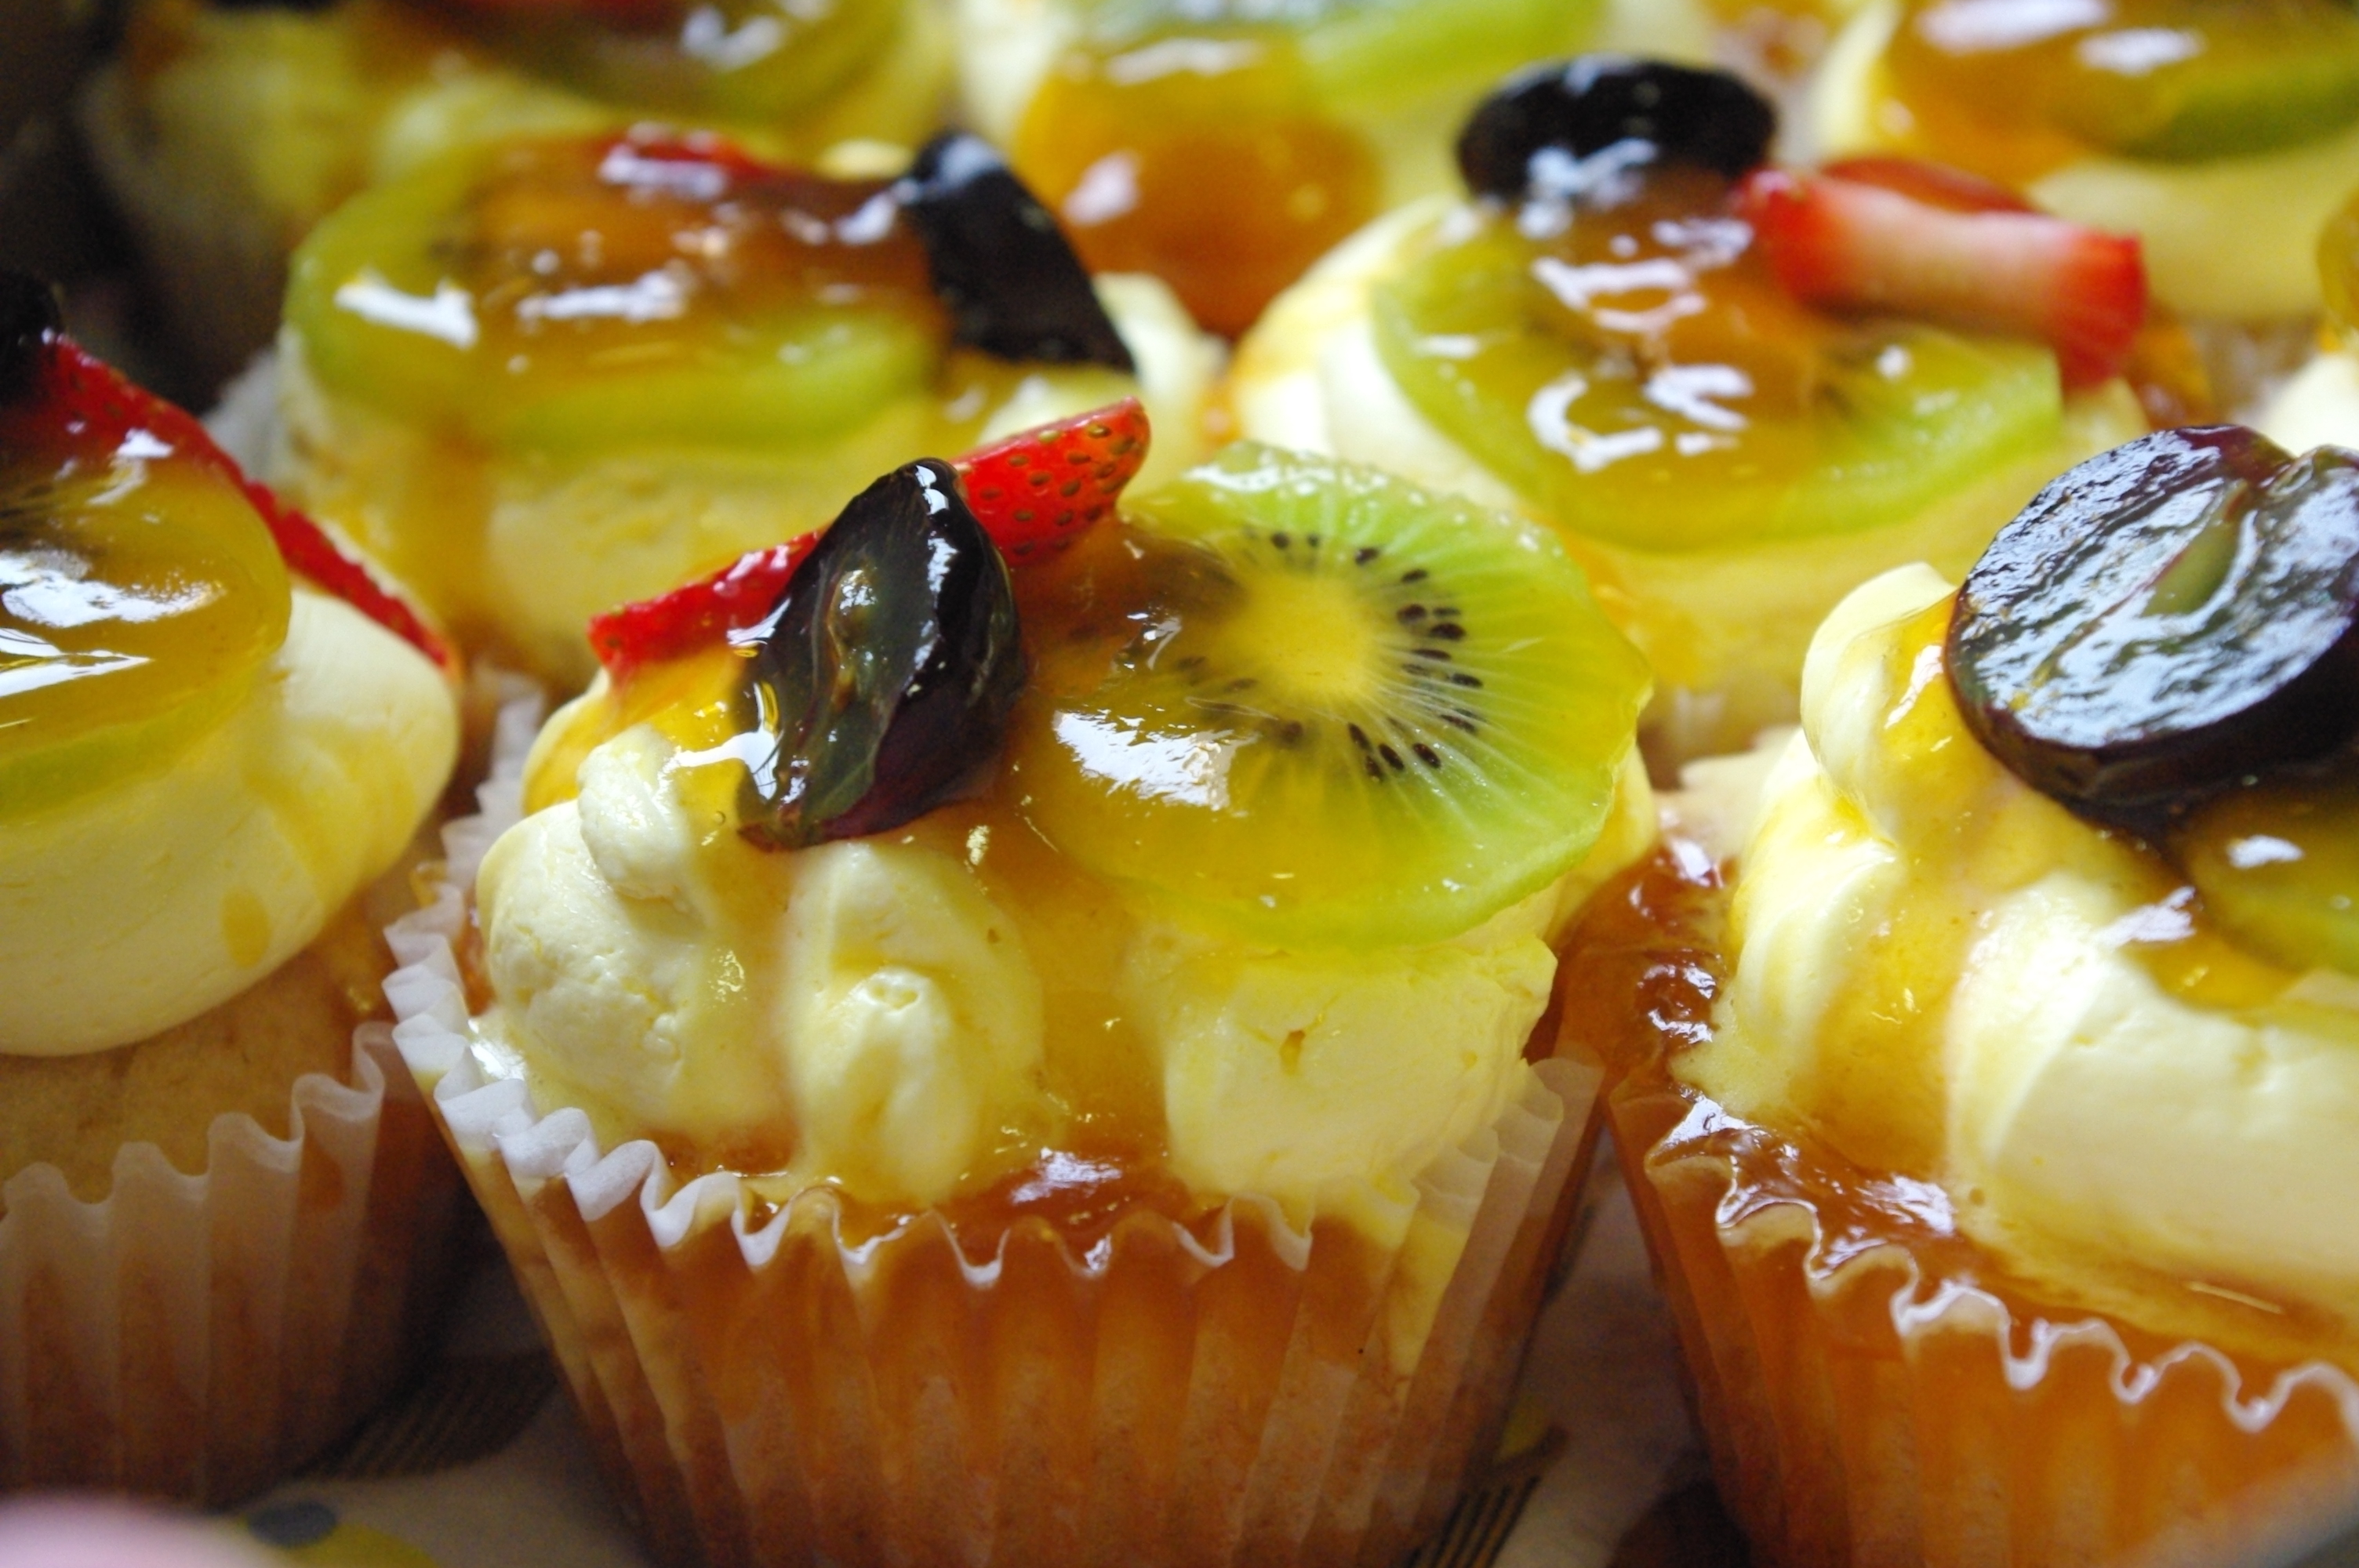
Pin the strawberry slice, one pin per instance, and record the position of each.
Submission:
(1039, 488)
(1033, 493)
(1923, 241)
(81, 398)
(698, 614)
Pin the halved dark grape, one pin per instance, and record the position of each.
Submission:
(1534, 135)
(2169, 617)
(28, 318)
(884, 676)
(1001, 266)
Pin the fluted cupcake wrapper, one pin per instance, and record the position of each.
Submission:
(198, 1337)
(1860, 1409)
(764, 1390)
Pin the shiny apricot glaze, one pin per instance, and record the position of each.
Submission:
(2167, 80)
(1214, 171)
(139, 591)
(1844, 1424)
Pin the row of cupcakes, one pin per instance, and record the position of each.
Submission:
(1228, 958)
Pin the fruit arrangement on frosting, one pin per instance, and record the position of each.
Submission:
(564, 373)
(2165, 642)
(1280, 714)
(1664, 344)
(561, 296)
(146, 578)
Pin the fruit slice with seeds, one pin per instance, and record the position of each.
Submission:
(1315, 705)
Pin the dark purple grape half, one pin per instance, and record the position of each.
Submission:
(1001, 266)
(884, 676)
(1540, 132)
(28, 319)
(2168, 618)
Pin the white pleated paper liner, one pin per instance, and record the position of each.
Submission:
(1863, 1408)
(763, 1390)
(198, 1337)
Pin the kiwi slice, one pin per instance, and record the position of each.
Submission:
(2277, 866)
(2169, 81)
(758, 61)
(1667, 394)
(568, 295)
(1314, 706)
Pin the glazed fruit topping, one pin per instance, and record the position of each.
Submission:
(1581, 131)
(1033, 493)
(1884, 235)
(1012, 284)
(578, 294)
(883, 679)
(71, 409)
(2170, 618)
(1311, 704)
(2018, 87)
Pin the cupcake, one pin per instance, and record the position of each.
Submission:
(2223, 136)
(1048, 1065)
(1735, 392)
(1224, 149)
(227, 131)
(1989, 1099)
(218, 737)
(548, 377)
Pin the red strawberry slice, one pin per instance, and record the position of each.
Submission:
(699, 615)
(1041, 488)
(82, 399)
(1033, 493)
(1858, 243)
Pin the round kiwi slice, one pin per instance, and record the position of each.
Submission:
(1316, 706)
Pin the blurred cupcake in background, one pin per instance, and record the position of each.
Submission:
(546, 377)
(227, 131)
(1224, 149)
(220, 1216)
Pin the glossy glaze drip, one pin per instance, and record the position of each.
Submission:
(1643, 973)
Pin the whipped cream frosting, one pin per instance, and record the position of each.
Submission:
(1940, 972)
(863, 1012)
(2233, 238)
(141, 903)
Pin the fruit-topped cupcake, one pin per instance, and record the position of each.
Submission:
(1048, 1063)
(1734, 391)
(550, 376)
(1226, 146)
(1991, 1107)
(2221, 135)
(217, 733)
(227, 130)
